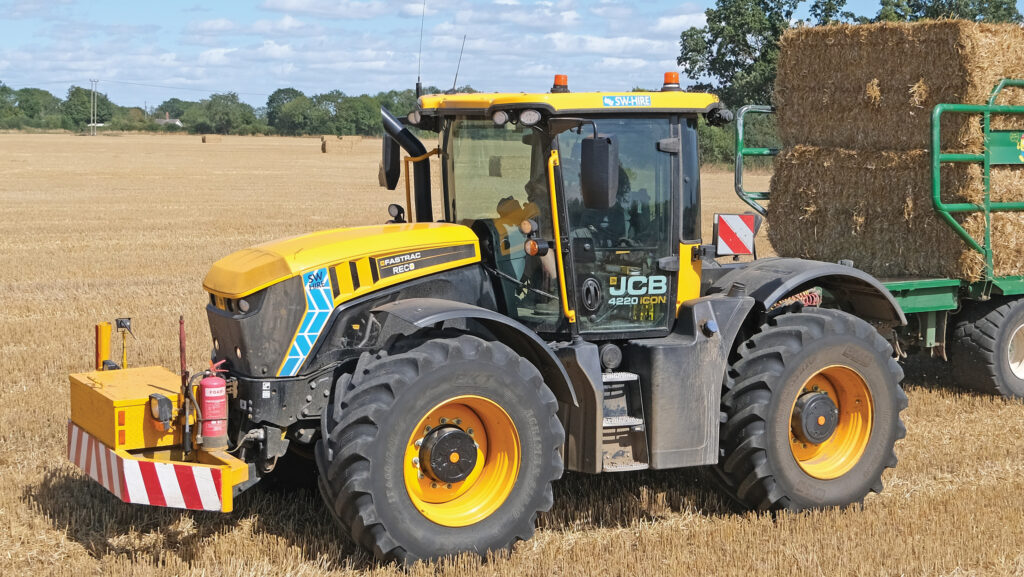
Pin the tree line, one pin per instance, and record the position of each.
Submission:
(288, 111)
(736, 52)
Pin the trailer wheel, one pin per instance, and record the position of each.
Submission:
(446, 446)
(988, 348)
(813, 412)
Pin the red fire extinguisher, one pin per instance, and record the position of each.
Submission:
(213, 402)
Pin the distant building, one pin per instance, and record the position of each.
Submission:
(168, 120)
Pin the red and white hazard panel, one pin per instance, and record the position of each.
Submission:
(145, 482)
(734, 233)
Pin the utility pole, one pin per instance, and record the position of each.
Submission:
(92, 106)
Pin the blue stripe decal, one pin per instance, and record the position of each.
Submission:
(319, 304)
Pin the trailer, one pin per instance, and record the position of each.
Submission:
(976, 325)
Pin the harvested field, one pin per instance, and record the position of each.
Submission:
(94, 228)
(874, 86)
(876, 208)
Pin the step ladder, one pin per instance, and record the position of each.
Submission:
(624, 435)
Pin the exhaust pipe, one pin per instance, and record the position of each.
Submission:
(420, 170)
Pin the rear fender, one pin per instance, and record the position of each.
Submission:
(770, 280)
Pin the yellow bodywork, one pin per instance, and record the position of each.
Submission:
(571, 102)
(689, 275)
(113, 407)
(250, 270)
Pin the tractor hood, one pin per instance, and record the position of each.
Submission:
(360, 259)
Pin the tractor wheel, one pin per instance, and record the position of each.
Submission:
(444, 446)
(813, 407)
(987, 349)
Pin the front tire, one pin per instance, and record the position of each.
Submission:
(988, 348)
(812, 406)
(448, 445)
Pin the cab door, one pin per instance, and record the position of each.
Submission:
(624, 258)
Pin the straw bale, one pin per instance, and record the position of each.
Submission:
(211, 138)
(874, 86)
(875, 208)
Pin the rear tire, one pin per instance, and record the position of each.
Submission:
(987, 349)
(366, 458)
(767, 461)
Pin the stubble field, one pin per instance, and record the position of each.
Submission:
(92, 228)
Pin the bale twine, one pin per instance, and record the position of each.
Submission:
(872, 87)
(875, 207)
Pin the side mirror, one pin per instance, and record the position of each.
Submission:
(390, 164)
(599, 168)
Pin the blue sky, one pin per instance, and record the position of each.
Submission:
(189, 50)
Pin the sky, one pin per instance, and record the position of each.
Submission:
(146, 52)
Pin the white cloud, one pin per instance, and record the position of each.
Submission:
(215, 56)
(216, 25)
(287, 23)
(676, 24)
(271, 49)
(618, 46)
(613, 63)
(344, 9)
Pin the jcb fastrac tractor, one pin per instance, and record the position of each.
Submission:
(559, 313)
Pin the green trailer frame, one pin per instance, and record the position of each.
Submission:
(930, 300)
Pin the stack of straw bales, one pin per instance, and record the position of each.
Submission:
(854, 178)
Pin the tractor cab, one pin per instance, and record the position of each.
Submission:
(587, 204)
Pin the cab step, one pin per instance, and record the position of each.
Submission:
(624, 438)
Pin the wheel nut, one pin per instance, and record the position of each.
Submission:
(448, 486)
(433, 485)
(426, 429)
(419, 442)
(469, 430)
(443, 420)
(415, 461)
(458, 421)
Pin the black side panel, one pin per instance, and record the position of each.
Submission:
(770, 279)
(264, 334)
(583, 423)
(681, 378)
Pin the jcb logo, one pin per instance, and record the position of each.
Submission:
(639, 285)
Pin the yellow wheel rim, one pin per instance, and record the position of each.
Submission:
(838, 454)
(489, 483)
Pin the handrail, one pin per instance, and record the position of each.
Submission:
(569, 312)
(742, 151)
(408, 191)
(946, 210)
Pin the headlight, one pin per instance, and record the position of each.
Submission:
(529, 117)
(243, 305)
(160, 408)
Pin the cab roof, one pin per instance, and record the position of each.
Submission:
(571, 102)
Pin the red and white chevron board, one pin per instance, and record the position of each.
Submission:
(735, 234)
(182, 486)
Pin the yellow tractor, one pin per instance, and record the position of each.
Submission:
(559, 312)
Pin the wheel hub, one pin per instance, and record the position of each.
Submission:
(815, 417)
(1015, 352)
(448, 454)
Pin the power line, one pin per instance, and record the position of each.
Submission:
(132, 83)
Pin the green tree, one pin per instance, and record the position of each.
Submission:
(174, 107)
(277, 100)
(7, 100)
(976, 10)
(76, 108)
(738, 48)
(302, 116)
(36, 103)
(227, 114)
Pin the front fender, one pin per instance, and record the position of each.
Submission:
(426, 312)
(770, 280)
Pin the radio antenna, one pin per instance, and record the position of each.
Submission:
(419, 58)
(459, 65)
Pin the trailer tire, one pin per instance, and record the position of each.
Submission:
(374, 436)
(988, 348)
(768, 461)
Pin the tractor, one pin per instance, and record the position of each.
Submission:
(553, 309)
